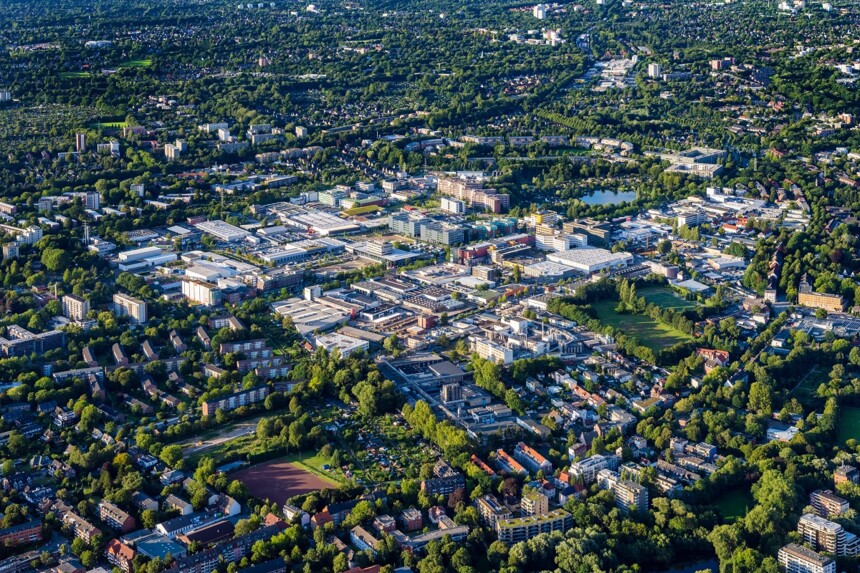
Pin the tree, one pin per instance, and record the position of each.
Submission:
(55, 260)
(172, 455)
(760, 399)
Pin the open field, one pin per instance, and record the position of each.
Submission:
(734, 503)
(849, 424)
(665, 298)
(647, 331)
(280, 480)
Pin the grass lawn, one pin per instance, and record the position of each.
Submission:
(664, 298)
(849, 424)
(645, 329)
(75, 74)
(108, 125)
(313, 463)
(362, 210)
(136, 64)
(734, 503)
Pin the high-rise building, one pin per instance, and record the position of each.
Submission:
(655, 71)
(125, 305)
(628, 494)
(202, 292)
(798, 559)
(827, 536)
(539, 11)
(80, 142)
(75, 307)
(92, 200)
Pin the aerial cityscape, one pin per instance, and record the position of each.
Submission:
(377, 286)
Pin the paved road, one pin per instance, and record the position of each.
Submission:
(197, 444)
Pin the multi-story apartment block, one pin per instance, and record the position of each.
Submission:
(586, 470)
(827, 504)
(446, 480)
(22, 534)
(629, 495)
(508, 464)
(115, 517)
(532, 459)
(363, 540)
(798, 559)
(120, 555)
(491, 510)
(518, 529)
(827, 536)
(235, 400)
(75, 307)
(534, 503)
(21, 342)
(846, 474)
(474, 193)
(81, 528)
(125, 305)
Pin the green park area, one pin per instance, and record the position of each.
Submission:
(74, 75)
(649, 332)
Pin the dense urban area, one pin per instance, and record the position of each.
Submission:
(376, 286)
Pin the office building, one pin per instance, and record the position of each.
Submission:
(827, 536)
(798, 559)
(134, 308)
(201, 292)
(490, 350)
(75, 308)
(455, 206)
(809, 298)
(827, 504)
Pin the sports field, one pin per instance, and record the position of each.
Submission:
(136, 64)
(665, 298)
(734, 504)
(849, 424)
(279, 480)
